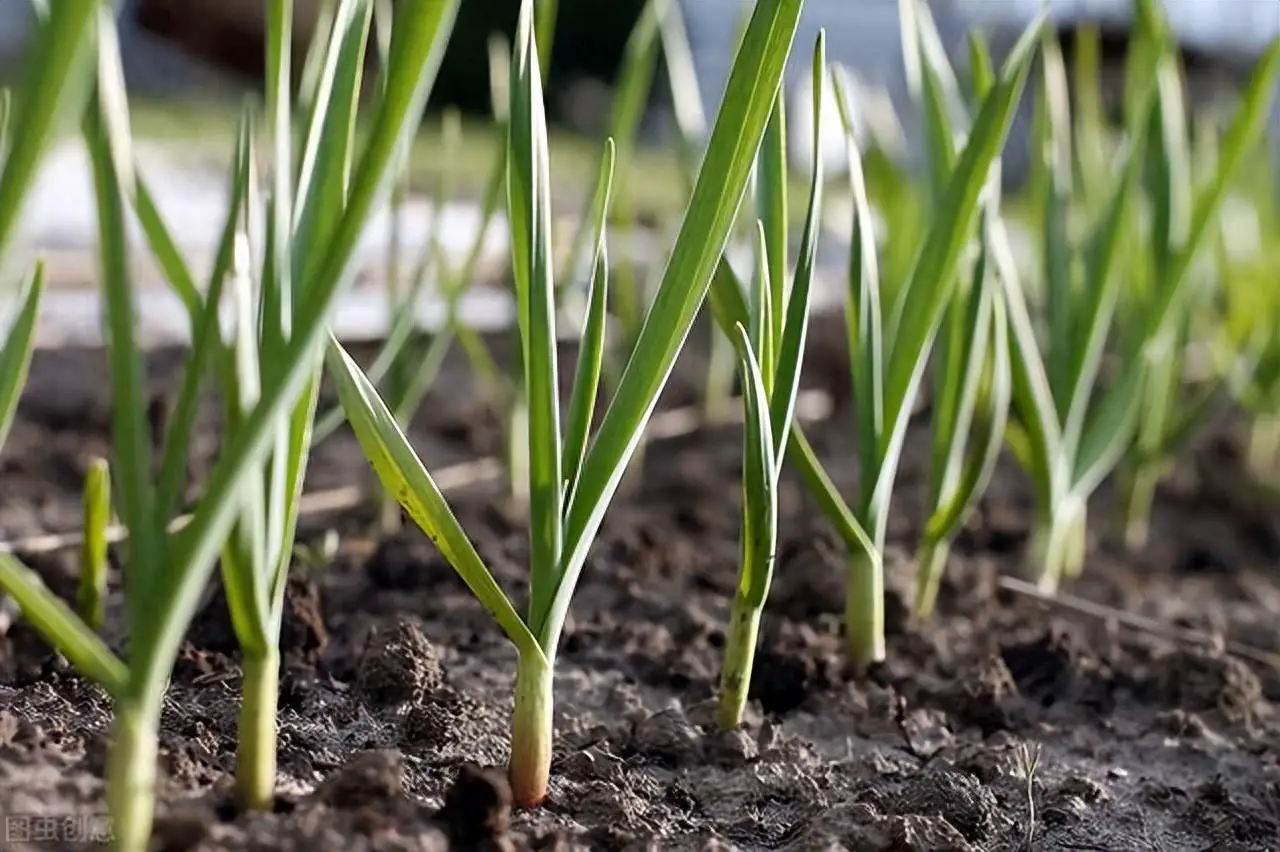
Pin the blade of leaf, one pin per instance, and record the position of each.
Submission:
(586, 381)
(19, 343)
(759, 477)
(529, 203)
(754, 80)
(62, 628)
(795, 327)
(404, 476)
(863, 316)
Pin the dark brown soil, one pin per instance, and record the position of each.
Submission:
(397, 685)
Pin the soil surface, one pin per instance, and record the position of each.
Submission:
(396, 690)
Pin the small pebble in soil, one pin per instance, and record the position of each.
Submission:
(399, 666)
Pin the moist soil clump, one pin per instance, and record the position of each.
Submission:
(395, 691)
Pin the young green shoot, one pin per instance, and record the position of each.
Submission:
(890, 349)
(165, 574)
(930, 279)
(1173, 406)
(971, 381)
(1065, 433)
(971, 394)
(771, 354)
(1068, 431)
(691, 124)
(572, 477)
(91, 592)
(1247, 349)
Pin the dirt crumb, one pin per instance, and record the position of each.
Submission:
(399, 666)
(915, 833)
(990, 698)
(477, 810)
(668, 737)
(1199, 682)
(957, 797)
(368, 777)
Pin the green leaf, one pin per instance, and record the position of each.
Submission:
(324, 169)
(529, 205)
(984, 437)
(15, 353)
(923, 299)
(753, 82)
(631, 96)
(244, 555)
(57, 79)
(728, 306)
(208, 347)
(1097, 307)
(863, 315)
(62, 628)
(961, 361)
(982, 74)
(1057, 259)
(1035, 433)
(1242, 134)
(935, 90)
(759, 480)
(106, 125)
(772, 211)
(1108, 433)
(417, 46)
(586, 381)
(404, 476)
(795, 327)
(91, 588)
(761, 295)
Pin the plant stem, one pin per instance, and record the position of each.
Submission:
(531, 731)
(1264, 444)
(1058, 545)
(739, 656)
(933, 560)
(518, 451)
(131, 775)
(92, 592)
(256, 748)
(864, 609)
(1076, 543)
(1140, 493)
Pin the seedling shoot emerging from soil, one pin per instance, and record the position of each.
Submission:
(165, 574)
(573, 478)
(770, 355)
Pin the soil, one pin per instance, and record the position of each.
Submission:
(397, 685)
